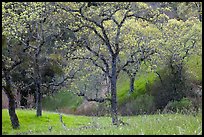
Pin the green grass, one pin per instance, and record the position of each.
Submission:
(82, 125)
(30, 122)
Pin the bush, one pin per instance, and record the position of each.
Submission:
(93, 109)
(143, 104)
(183, 106)
(173, 87)
(61, 100)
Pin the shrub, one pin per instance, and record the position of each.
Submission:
(184, 106)
(143, 104)
(93, 109)
(172, 87)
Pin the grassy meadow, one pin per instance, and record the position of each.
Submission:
(49, 123)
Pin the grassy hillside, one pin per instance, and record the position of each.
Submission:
(82, 125)
(142, 82)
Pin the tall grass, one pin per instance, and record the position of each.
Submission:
(160, 124)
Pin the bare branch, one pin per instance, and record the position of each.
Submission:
(88, 19)
(101, 57)
(94, 62)
(66, 8)
(128, 62)
(16, 63)
(138, 17)
(100, 100)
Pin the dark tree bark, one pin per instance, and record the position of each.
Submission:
(11, 98)
(199, 8)
(12, 113)
(38, 80)
(38, 100)
(38, 83)
(114, 93)
(160, 78)
(131, 74)
(24, 101)
(132, 81)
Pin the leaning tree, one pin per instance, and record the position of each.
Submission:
(9, 65)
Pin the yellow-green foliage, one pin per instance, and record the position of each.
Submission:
(194, 67)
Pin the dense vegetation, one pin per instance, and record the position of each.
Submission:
(102, 58)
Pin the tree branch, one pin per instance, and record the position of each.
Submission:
(16, 63)
(100, 100)
(105, 39)
(95, 63)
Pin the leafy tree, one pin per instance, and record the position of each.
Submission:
(32, 25)
(179, 10)
(99, 30)
(180, 40)
(141, 42)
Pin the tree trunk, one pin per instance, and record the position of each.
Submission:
(38, 99)
(114, 93)
(38, 86)
(199, 11)
(24, 101)
(160, 78)
(11, 98)
(12, 113)
(132, 81)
